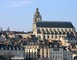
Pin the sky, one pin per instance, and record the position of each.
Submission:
(18, 14)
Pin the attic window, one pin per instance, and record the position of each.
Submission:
(2, 48)
(17, 48)
(55, 45)
(9, 48)
(60, 46)
(50, 45)
(21, 48)
(13, 48)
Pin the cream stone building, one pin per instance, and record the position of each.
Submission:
(44, 51)
(31, 51)
(52, 51)
(51, 29)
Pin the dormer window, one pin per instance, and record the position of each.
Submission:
(2, 48)
(13, 48)
(50, 45)
(17, 48)
(5, 47)
(60, 46)
(21, 48)
(9, 48)
(55, 45)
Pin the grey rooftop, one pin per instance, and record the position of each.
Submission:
(54, 24)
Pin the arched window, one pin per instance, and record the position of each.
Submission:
(51, 31)
(48, 36)
(43, 31)
(38, 31)
(44, 37)
(47, 31)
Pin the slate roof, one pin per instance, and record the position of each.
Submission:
(54, 24)
(52, 44)
(8, 47)
(75, 57)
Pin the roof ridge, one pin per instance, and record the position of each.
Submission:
(54, 21)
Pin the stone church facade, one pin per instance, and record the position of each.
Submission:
(53, 30)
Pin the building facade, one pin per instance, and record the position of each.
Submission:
(52, 51)
(56, 51)
(10, 52)
(51, 29)
(31, 51)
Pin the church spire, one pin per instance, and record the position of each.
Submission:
(37, 16)
(1, 30)
(8, 29)
(36, 9)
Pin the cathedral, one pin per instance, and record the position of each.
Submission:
(54, 30)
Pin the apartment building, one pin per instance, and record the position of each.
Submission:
(10, 52)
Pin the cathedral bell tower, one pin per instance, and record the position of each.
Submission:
(37, 16)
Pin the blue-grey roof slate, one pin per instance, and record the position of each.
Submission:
(57, 24)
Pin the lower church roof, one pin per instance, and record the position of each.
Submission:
(54, 24)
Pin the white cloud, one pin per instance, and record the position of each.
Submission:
(19, 3)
